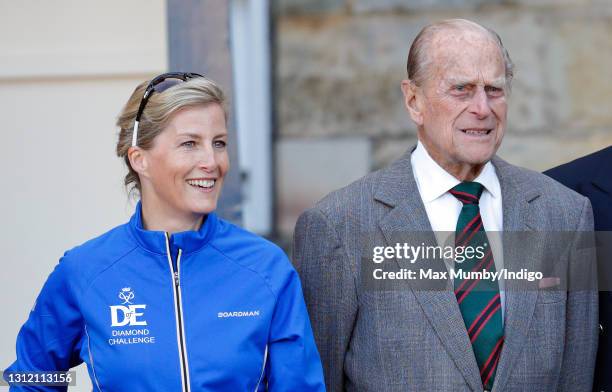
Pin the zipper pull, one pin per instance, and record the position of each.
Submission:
(176, 279)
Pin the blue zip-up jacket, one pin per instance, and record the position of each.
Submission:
(219, 309)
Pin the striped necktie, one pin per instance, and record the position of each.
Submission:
(478, 299)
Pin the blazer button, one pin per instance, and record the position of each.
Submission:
(600, 327)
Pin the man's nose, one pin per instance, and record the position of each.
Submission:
(479, 105)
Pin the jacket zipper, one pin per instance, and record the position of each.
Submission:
(178, 313)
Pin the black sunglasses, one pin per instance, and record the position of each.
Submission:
(160, 84)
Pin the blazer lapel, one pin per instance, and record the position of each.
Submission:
(398, 190)
(519, 299)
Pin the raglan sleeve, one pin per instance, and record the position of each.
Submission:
(294, 363)
(51, 337)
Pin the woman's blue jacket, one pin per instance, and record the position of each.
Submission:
(218, 309)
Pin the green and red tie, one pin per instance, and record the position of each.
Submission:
(478, 299)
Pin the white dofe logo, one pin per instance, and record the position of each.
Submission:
(131, 314)
(126, 294)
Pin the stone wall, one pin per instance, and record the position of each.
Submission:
(339, 64)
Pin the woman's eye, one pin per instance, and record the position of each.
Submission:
(460, 87)
(188, 144)
(219, 144)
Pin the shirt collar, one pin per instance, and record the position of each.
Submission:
(433, 181)
(188, 241)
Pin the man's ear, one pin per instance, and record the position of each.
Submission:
(412, 101)
(138, 161)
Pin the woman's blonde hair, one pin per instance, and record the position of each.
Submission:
(157, 112)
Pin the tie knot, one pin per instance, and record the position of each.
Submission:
(467, 192)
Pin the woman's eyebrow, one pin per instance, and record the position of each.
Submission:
(189, 135)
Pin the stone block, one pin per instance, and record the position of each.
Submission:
(549, 3)
(308, 169)
(586, 63)
(341, 76)
(388, 149)
(541, 152)
(307, 7)
(369, 105)
(360, 6)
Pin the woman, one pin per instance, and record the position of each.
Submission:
(176, 299)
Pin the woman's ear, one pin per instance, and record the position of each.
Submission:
(412, 101)
(138, 161)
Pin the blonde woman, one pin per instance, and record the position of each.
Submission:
(176, 299)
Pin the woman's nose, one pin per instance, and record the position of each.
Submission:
(207, 160)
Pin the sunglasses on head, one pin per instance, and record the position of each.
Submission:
(159, 84)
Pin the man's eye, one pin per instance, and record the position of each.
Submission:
(495, 91)
(460, 90)
(219, 144)
(188, 144)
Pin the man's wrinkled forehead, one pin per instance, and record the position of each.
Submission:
(466, 56)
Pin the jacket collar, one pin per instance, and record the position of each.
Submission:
(397, 181)
(188, 241)
(602, 179)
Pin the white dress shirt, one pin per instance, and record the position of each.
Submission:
(443, 209)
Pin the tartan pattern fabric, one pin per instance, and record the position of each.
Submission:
(478, 299)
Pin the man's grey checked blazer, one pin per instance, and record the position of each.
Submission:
(416, 340)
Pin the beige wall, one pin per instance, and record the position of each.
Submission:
(66, 69)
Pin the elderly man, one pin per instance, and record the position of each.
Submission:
(473, 334)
